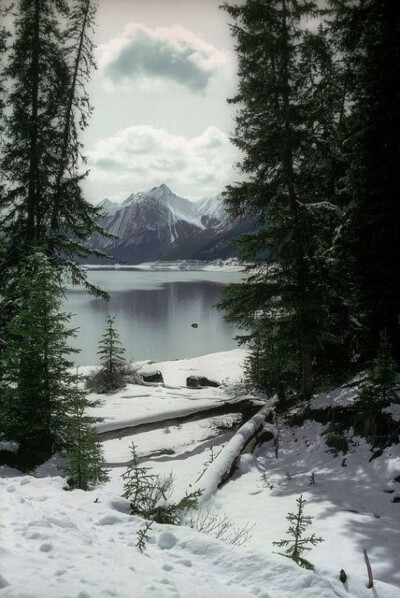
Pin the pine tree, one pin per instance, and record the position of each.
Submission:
(113, 371)
(138, 484)
(377, 392)
(367, 37)
(4, 35)
(289, 114)
(149, 493)
(299, 544)
(38, 385)
(49, 63)
(83, 452)
(71, 219)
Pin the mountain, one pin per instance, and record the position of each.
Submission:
(158, 224)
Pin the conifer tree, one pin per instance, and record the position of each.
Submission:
(4, 34)
(42, 204)
(288, 117)
(113, 371)
(299, 544)
(83, 452)
(378, 391)
(38, 386)
(71, 219)
(367, 39)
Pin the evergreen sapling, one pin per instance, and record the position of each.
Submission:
(83, 452)
(297, 544)
(114, 369)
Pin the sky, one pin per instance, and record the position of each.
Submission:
(165, 71)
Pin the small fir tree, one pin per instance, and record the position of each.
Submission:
(113, 371)
(137, 481)
(296, 546)
(149, 493)
(83, 452)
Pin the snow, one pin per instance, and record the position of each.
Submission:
(228, 455)
(137, 404)
(75, 544)
(338, 397)
(10, 446)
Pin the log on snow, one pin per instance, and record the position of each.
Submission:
(225, 460)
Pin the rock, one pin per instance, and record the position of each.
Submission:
(194, 325)
(151, 375)
(199, 381)
(342, 576)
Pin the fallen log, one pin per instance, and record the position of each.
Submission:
(221, 468)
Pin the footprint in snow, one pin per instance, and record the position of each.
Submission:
(108, 520)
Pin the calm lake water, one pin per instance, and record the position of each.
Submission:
(154, 312)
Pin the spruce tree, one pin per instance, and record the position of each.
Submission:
(42, 205)
(71, 219)
(38, 386)
(289, 114)
(83, 452)
(367, 37)
(298, 544)
(114, 369)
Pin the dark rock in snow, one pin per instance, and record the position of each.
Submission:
(342, 576)
(194, 325)
(199, 381)
(152, 376)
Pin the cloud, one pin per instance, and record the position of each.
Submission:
(142, 156)
(161, 54)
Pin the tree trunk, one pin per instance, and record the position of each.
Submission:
(301, 270)
(67, 126)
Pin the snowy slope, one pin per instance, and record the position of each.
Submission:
(78, 544)
(212, 211)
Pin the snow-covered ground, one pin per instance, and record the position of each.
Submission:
(60, 544)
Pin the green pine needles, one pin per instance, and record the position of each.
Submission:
(149, 494)
(377, 392)
(298, 542)
(43, 404)
(83, 453)
(114, 369)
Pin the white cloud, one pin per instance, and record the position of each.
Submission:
(142, 156)
(145, 55)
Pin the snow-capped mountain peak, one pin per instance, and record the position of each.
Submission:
(157, 223)
(108, 207)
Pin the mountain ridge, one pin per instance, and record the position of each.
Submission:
(159, 224)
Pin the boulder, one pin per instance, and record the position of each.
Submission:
(151, 375)
(194, 325)
(200, 381)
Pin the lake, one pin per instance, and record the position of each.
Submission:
(154, 312)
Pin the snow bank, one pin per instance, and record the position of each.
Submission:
(82, 545)
(136, 404)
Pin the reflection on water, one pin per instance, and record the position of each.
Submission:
(154, 314)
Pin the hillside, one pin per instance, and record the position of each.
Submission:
(85, 543)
